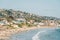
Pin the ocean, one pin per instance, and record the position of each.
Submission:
(38, 34)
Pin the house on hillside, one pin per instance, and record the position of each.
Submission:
(4, 22)
(35, 23)
(53, 23)
(32, 21)
(50, 23)
(19, 20)
(15, 25)
(41, 24)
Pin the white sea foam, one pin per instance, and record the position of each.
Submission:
(36, 37)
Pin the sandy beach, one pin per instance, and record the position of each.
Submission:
(5, 34)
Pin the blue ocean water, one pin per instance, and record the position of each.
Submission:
(38, 34)
(50, 35)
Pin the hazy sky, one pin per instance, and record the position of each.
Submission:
(40, 7)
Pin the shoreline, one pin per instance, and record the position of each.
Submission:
(8, 32)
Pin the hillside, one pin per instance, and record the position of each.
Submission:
(19, 14)
(18, 18)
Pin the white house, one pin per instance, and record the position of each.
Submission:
(52, 22)
(2, 23)
(41, 24)
(36, 23)
(19, 20)
(6, 22)
(15, 26)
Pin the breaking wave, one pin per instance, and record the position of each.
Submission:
(36, 37)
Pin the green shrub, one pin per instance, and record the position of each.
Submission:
(20, 25)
